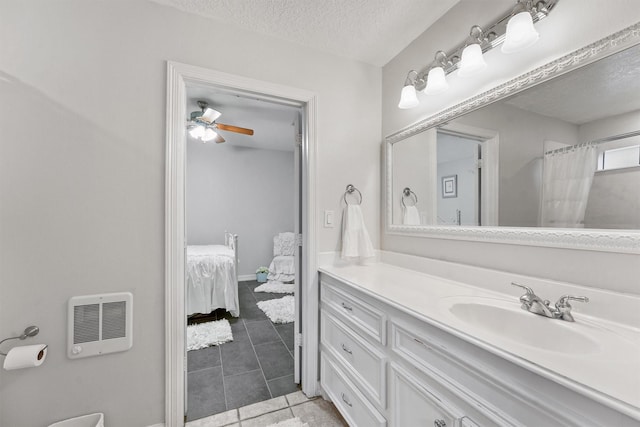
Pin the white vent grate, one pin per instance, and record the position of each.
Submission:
(100, 324)
(114, 320)
(86, 323)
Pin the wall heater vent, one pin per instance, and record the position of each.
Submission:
(100, 324)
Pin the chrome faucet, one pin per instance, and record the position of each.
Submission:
(534, 304)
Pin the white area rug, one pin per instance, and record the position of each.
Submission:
(293, 422)
(207, 334)
(281, 310)
(276, 288)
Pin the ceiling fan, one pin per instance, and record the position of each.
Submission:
(202, 125)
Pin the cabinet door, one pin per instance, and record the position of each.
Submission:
(413, 403)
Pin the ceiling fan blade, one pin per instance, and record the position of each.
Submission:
(236, 129)
(218, 139)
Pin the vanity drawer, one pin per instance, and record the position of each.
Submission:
(413, 348)
(366, 363)
(352, 404)
(414, 403)
(363, 316)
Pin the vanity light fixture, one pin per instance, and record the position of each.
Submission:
(437, 79)
(515, 31)
(408, 97)
(472, 62)
(521, 34)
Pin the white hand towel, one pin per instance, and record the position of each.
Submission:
(410, 216)
(355, 238)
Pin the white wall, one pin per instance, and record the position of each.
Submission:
(246, 191)
(521, 148)
(411, 164)
(572, 25)
(614, 199)
(82, 145)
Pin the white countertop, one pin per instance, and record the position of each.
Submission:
(608, 370)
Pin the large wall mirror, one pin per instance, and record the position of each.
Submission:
(550, 158)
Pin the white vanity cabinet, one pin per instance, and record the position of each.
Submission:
(382, 365)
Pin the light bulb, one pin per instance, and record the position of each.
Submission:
(209, 134)
(196, 132)
(520, 34)
(472, 61)
(408, 97)
(436, 82)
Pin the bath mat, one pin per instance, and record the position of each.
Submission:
(207, 334)
(292, 422)
(276, 288)
(280, 310)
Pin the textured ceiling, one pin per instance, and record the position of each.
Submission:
(606, 88)
(372, 31)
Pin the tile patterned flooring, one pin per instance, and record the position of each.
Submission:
(256, 366)
(315, 412)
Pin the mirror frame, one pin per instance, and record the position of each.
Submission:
(621, 241)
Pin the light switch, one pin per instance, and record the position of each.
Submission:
(328, 219)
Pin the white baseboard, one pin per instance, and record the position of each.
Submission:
(246, 277)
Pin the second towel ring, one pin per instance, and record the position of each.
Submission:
(350, 189)
(408, 193)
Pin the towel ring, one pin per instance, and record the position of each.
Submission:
(350, 189)
(408, 193)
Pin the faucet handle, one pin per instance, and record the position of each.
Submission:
(526, 288)
(564, 300)
(563, 308)
(527, 299)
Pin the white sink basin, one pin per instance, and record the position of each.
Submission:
(505, 319)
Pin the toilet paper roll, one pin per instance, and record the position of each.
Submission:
(26, 356)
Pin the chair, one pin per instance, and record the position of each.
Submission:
(282, 268)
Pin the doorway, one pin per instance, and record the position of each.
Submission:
(468, 175)
(241, 325)
(181, 78)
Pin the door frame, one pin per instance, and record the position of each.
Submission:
(179, 76)
(489, 172)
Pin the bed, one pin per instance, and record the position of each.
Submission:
(212, 279)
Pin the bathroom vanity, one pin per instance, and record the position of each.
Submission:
(449, 345)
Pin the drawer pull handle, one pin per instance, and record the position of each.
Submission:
(418, 341)
(439, 423)
(344, 347)
(346, 307)
(345, 400)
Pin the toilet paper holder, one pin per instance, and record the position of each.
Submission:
(30, 331)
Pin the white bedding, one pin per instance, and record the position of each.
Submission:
(211, 279)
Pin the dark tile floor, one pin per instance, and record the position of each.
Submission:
(257, 365)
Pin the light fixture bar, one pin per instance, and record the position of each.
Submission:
(490, 37)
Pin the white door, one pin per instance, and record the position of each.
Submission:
(297, 188)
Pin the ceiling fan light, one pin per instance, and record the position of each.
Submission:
(520, 34)
(472, 61)
(209, 135)
(196, 132)
(210, 115)
(408, 97)
(436, 82)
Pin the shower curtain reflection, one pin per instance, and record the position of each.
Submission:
(567, 178)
